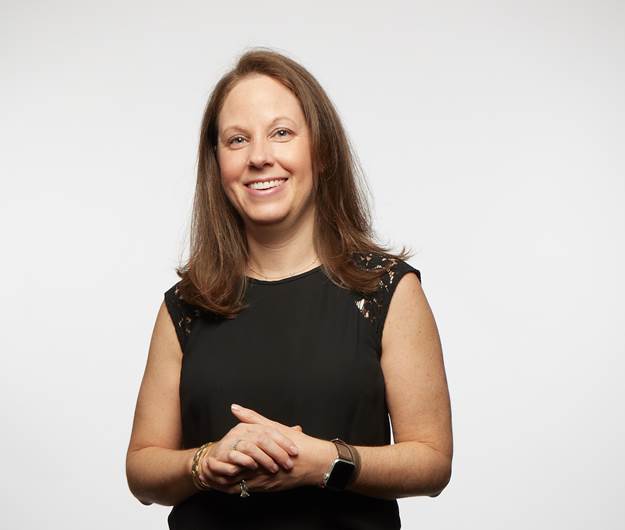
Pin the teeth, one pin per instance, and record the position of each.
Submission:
(265, 185)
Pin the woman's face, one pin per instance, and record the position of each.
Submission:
(262, 134)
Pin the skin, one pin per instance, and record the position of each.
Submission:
(280, 238)
(262, 132)
(254, 144)
(420, 460)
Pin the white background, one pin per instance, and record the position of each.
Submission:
(492, 136)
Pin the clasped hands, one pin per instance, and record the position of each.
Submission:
(269, 456)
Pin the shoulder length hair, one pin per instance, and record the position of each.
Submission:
(213, 278)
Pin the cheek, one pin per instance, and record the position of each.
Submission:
(297, 160)
(230, 170)
(230, 174)
(232, 163)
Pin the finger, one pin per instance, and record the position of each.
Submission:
(219, 470)
(278, 447)
(258, 451)
(248, 474)
(243, 460)
(245, 474)
(285, 442)
(279, 433)
(281, 438)
(255, 480)
(234, 488)
(250, 416)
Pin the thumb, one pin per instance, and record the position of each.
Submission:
(298, 427)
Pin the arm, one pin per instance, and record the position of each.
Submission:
(403, 469)
(157, 470)
(419, 462)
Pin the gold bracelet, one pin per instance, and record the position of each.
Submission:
(195, 471)
(195, 476)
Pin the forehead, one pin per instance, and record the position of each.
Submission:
(259, 99)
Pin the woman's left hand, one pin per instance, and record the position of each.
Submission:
(314, 455)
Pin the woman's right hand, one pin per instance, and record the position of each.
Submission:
(258, 446)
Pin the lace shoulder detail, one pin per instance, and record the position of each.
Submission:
(182, 314)
(374, 306)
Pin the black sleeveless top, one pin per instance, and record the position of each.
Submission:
(305, 352)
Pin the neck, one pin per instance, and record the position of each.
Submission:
(276, 251)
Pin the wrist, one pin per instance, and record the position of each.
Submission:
(325, 456)
(197, 463)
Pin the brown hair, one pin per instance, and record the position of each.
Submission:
(214, 278)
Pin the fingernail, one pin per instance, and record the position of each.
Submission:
(234, 406)
(289, 463)
(294, 450)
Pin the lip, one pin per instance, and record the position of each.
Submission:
(270, 191)
(263, 179)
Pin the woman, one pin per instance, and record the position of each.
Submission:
(284, 308)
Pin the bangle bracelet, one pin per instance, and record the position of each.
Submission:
(195, 475)
(195, 471)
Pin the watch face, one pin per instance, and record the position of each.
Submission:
(341, 473)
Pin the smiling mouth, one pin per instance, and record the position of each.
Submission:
(267, 184)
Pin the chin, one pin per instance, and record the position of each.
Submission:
(268, 218)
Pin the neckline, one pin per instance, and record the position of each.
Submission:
(284, 280)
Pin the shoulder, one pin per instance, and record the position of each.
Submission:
(182, 313)
(408, 310)
(176, 305)
(407, 296)
(395, 268)
(394, 271)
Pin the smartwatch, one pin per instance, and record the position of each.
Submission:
(343, 469)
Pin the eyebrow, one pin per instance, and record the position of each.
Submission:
(241, 128)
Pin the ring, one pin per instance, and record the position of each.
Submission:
(244, 491)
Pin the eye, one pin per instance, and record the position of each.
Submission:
(232, 140)
(283, 130)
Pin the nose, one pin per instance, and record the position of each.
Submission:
(260, 153)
